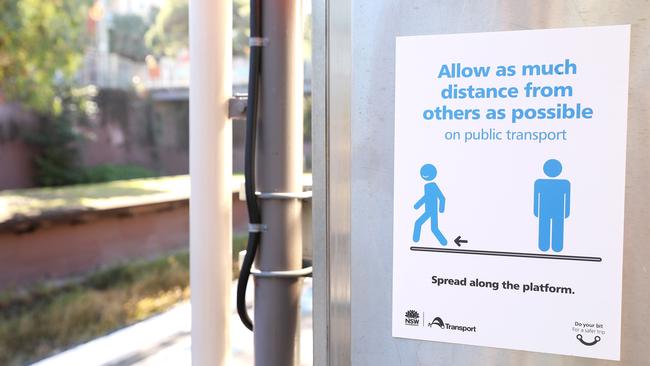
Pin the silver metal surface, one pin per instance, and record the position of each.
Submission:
(279, 168)
(303, 272)
(237, 106)
(306, 219)
(339, 105)
(258, 41)
(319, 185)
(305, 194)
(331, 156)
(284, 195)
(357, 130)
(257, 228)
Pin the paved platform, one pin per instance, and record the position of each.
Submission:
(165, 340)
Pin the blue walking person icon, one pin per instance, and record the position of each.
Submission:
(434, 203)
(552, 206)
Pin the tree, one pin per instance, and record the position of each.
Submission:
(169, 33)
(127, 36)
(56, 161)
(41, 47)
(241, 27)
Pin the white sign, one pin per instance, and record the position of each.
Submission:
(509, 189)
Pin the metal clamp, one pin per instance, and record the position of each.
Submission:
(303, 272)
(258, 41)
(284, 195)
(257, 228)
(237, 106)
(276, 195)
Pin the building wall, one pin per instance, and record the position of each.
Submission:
(15, 165)
(61, 250)
(15, 155)
(56, 248)
(129, 129)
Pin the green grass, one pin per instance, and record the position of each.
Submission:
(33, 202)
(47, 319)
(97, 196)
(40, 321)
(238, 244)
(111, 172)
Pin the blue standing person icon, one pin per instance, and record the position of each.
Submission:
(552, 206)
(434, 203)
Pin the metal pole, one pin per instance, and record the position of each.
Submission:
(277, 301)
(210, 25)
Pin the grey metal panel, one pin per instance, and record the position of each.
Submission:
(374, 28)
(331, 149)
(319, 185)
(338, 145)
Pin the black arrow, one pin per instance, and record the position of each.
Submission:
(458, 240)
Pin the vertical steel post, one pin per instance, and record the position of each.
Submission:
(211, 170)
(279, 166)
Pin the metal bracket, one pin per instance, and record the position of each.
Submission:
(306, 195)
(258, 41)
(284, 195)
(237, 106)
(303, 272)
(257, 228)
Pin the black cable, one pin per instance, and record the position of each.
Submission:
(254, 215)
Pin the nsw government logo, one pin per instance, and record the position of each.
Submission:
(412, 317)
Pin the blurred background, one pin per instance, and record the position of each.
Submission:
(94, 157)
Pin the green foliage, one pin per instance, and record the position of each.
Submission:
(169, 33)
(41, 47)
(37, 322)
(241, 27)
(306, 38)
(128, 274)
(111, 172)
(239, 243)
(127, 36)
(45, 319)
(306, 118)
(57, 157)
(57, 139)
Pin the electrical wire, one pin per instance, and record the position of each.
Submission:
(254, 215)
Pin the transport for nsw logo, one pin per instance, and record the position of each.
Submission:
(412, 317)
(437, 321)
(448, 326)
